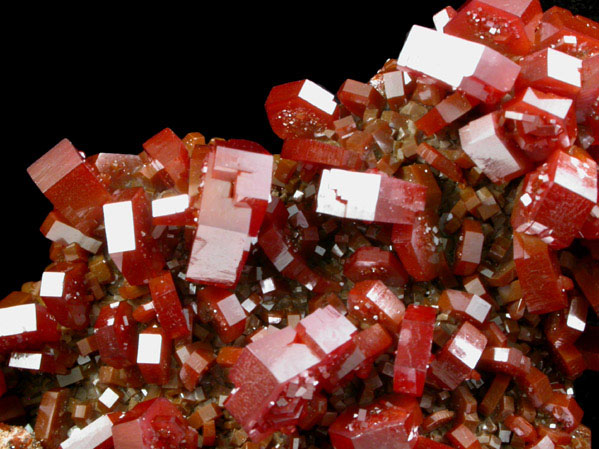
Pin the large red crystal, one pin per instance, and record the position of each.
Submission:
(154, 424)
(414, 349)
(507, 27)
(391, 422)
(371, 263)
(458, 357)
(373, 302)
(539, 273)
(166, 148)
(71, 185)
(26, 326)
(300, 109)
(115, 335)
(224, 312)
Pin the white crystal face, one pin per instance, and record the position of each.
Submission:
(16, 320)
(52, 284)
(555, 106)
(91, 436)
(441, 56)
(170, 205)
(63, 232)
(317, 96)
(109, 398)
(119, 226)
(348, 194)
(466, 352)
(441, 19)
(231, 310)
(561, 66)
(148, 348)
(25, 360)
(478, 308)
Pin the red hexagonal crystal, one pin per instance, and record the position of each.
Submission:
(447, 111)
(550, 70)
(154, 355)
(574, 35)
(465, 306)
(536, 386)
(115, 335)
(505, 360)
(64, 292)
(71, 185)
(565, 409)
(357, 97)
(316, 152)
(300, 109)
(470, 247)
(168, 306)
(414, 349)
(507, 27)
(224, 312)
(373, 302)
(543, 122)
(154, 424)
(369, 196)
(371, 263)
(484, 140)
(196, 359)
(166, 148)
(26, 326)
(52, 424)
(458, 357)
(539, 273)
(128, 225)
(416, 244)
(391, 422)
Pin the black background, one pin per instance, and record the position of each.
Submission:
(108, 79)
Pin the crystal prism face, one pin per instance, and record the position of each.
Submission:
(93, 436)
(565, 180)
(552, 71)
(235, 195)
(544, 122)
(470, 67)
(369, 197)
(316, 152)
(414, 350)
(507, 27)
(485, 143)
(71, 186)
(391, 421)
(166, 148)
(300, 109)
(56, 229)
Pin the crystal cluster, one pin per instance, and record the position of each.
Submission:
(415, 268)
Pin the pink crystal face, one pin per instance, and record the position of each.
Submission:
(414, 350)
(471, 67)
(369, 197)
(357, 97)
(484, 142)
(234, 200)
(456, 360)
(565, 186)
(71, 185)
(543, 122)
(391, 422)
(300, 109)
(96, 435)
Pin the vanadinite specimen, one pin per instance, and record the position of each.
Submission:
(413, 269)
